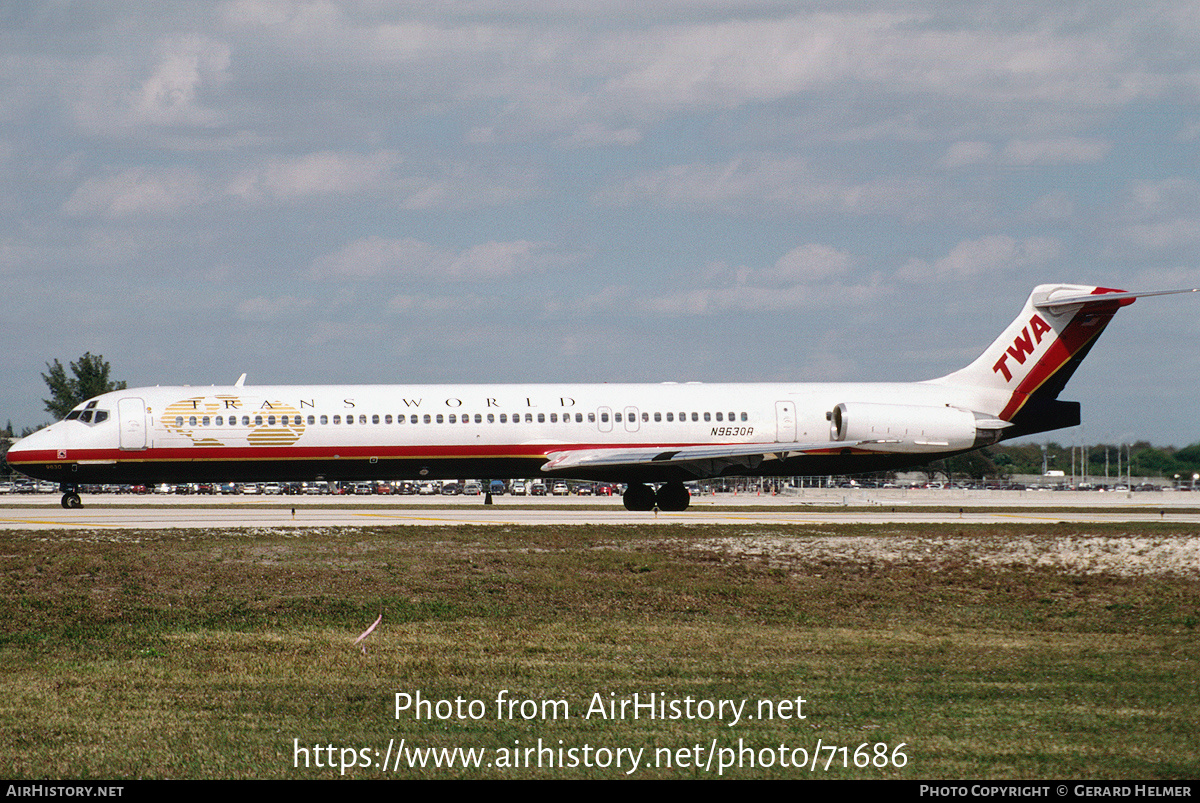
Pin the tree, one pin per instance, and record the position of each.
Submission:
(90, 378)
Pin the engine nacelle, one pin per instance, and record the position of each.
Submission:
(913, 428)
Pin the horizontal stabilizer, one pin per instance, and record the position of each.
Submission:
(1055, 301)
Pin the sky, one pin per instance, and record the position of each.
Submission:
(601, 191)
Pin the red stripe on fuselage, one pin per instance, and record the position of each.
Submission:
(201, 454)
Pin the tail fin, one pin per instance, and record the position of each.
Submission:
(1021, 374)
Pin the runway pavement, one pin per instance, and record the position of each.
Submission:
(815, 507)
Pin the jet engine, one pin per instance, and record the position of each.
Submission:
(913, 428)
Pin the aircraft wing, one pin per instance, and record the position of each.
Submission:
(703, 461)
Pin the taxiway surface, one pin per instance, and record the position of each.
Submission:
(823, 507)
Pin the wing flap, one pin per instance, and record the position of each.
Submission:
(704, 460)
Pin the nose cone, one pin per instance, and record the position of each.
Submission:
(32, 454)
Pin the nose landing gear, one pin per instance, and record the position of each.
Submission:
(70, 498)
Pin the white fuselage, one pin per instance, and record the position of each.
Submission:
(290, 432)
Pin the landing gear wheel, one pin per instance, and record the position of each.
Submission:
(674, 497)
(639, 497)
(71, 500)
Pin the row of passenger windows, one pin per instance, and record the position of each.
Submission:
(448, 418)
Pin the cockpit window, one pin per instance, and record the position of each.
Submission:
(88, 415)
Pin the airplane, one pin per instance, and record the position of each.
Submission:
(651, 437)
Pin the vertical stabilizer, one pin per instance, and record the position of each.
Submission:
(1030, 363)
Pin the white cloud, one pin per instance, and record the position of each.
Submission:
(594, 135)
(810, 263)
(171, 95)
(961, 154)
(377, 257)
(1066, 150)
(1164, 234)
(315, 174)
(810, 276)
(758, 181)
(139, 192)
(1162, 215)
(1027, 152)
(462, 185)
(994, 255)
(263, 309)
(406, 258)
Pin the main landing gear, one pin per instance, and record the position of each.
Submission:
(70, 498)
(670, 497)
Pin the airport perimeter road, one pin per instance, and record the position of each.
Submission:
(877, 507)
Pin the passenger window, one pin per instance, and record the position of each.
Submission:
(491, 418)
(541, 418)
(657, 417)
(179, 421)
(451, 419)
(337, 419)
(191, 419)
(362, 419)
(707, 417)
(670, 417)
(374, 419)
(428, 420)
(324, 419)
(387, 419)
(478, 418)
(745, 417)
(439, 418)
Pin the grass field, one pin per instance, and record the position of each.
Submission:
(921, 651)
